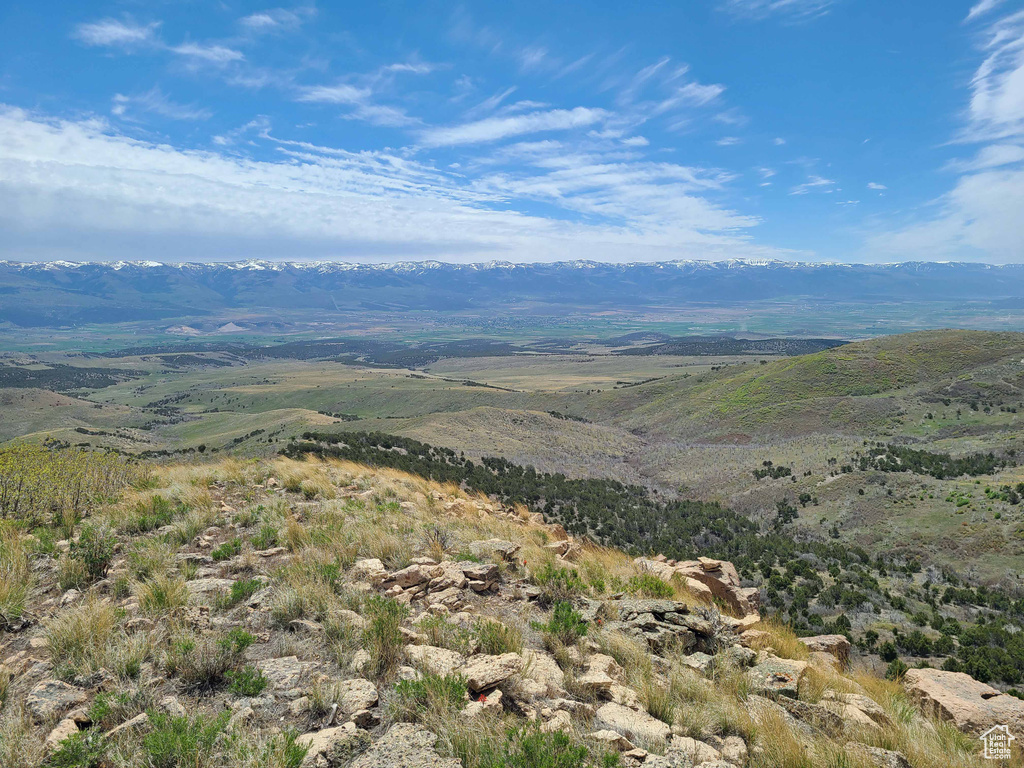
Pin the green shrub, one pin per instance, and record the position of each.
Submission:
(204, 662)
(557, 584)
(241, 590)
(111, 709)
(496, 638)
(566, 625)
(382, 637)
(530, 748)
(148, 516)
(182, 742)
(266, 538)
(896, 670)
(649, 585)
(431, 695)
(95, 549)
(247, 681)
(227, 550)
(85, 749)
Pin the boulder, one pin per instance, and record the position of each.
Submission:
(65, 729)
(856, 708)
(332, 746)
(882, 758)
(972, 706)
(696, 752)
(405, 746)
(836, 645)
(541, 669)
(630, 723)
(409, 577)
(780, 677)
(484, 672)
(734, 750)
(355, 695)
(52, 697)
(203, 587)
(495, 549)
(433, 660)
(369, 569)
(611, 740)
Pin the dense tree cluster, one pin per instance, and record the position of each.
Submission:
(898, 458)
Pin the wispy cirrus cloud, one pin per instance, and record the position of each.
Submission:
(496, 128)
(121, 194)
(209, 53)
(979, 218)
(276, 20)
(814, 184)
(983, 7)
(156, 102)
(793, 9)
(116, 33)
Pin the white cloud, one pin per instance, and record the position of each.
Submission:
(276, 20)
(760, 9)
(497, 128)
(728, 141)
(76, 189)
(979, 218)
(982, 8)
(778, 141)
(814, 184)
(991, 156)
(111, 32)
(997, 99)
(876, 185)
(156, 102)
(214, 54)
(636, 141)
(342, 93)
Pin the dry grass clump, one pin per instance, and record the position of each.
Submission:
(88, 637)
(16, 579)
(162, 594)
(781, 640)
(19, 745)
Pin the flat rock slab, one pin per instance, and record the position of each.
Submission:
(780, 677)
(355, 695)
(52, 697)
(286, 672)
(630, 723)
(433, 660)
(405, 746)
(484, 672)
(973, 707)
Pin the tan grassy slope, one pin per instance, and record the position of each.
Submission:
(837, 389)
(374, 612)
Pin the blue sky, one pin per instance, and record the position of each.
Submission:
(816, 130)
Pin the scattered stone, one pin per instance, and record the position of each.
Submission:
(701, 662)
(370, 570)
(208, 586)
(365, 719)
(559, 720)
